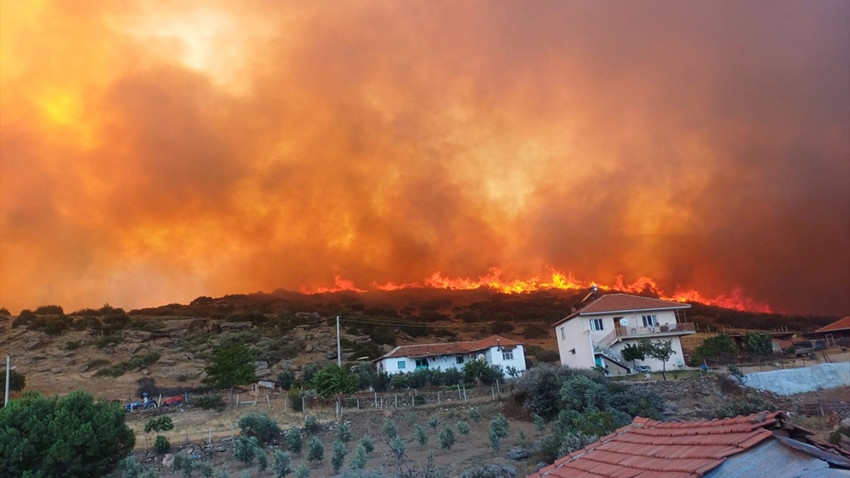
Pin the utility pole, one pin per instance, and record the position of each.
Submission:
(338, 348)
(8, 375)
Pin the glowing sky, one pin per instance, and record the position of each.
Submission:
(152, 152)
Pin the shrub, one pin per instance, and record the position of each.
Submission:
(474, 414)
(295, 402)
(107, 340)
(293, 439)
(315, 450)
(368, 444)
(282, 464)
(303, 471)
(447, 438)
(462, 427)
(286, 377)
(17, 381)
(311, 424)
(161, 445)
(343, 433)
(421, 436)
(210, 402)
(338, 456)
(261, 426)
(244, 449)
(41, 432)
(358, 462)
(133, 469)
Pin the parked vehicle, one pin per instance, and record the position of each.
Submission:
(173, 401)
(145, 402)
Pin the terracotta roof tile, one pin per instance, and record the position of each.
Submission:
(648, 448)
(843, 324)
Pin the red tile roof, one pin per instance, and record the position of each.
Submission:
(623, 303)
(648, 448)
(449, 348)
(843, 324)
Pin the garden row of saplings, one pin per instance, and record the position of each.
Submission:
(260, 436)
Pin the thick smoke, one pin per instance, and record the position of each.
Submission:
(154, 153)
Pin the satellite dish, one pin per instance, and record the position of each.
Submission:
(624, 322)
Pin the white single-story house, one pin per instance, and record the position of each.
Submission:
(494, 350)
(596, 334)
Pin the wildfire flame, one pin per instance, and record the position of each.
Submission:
(556, 280)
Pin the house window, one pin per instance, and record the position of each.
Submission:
(421, 364)
(459, 359)
(563, 334)
(596, 324)
(649, 320)
(401, 365)
(507, 355)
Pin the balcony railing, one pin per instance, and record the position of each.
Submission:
(646, 332)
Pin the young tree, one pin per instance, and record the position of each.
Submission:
(244, 449)
(661, 350)
(261, 426)
(718, 348)
(231, 365)
(161, 424)
(632, 353)
(759, 344)
(282, 465)
(334, 380)
(421, 436)
(447, 438)
(293, 439)
(70, 436)
(499, 428)
(338, 457)
(343, 433)
(315, 450)
(462, 427)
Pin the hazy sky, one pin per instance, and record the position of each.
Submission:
(152, 152)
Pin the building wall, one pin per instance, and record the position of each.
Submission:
(677, 360)
(446, 362)
(574, 344)
(496, 357)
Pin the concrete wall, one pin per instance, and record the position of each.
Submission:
(799, 380)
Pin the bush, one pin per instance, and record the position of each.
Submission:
(295, 400)
(315, 450)
(161, 445)
(343, 433)
(70, 436)
(17, 382)
(244, 449)
(338, 456)
(447, 438)
(282, 464)
(293, 439)
(260, 426)
(210, 402)
(462, 427)
(311, 424)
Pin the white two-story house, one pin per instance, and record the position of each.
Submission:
(596, 334)
(494, 350)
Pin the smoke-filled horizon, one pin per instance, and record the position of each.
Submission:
(154, 152)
